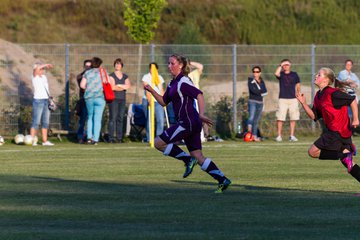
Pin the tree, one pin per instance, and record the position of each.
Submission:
(141, 17)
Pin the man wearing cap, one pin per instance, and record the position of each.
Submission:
(289, 85)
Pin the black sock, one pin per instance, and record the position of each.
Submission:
(355, 172)
(210, 167)
(174, 151)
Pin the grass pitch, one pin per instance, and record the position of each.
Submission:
(130, 191)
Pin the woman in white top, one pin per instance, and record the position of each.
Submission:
(40, 110)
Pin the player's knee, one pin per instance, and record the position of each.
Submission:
(313, 154)
(159, 144)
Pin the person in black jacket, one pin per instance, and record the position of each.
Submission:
(257, 90)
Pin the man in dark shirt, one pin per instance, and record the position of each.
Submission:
(81, 110)
(289, 84)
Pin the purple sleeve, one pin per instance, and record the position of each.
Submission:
(190, 90)
(166, 98)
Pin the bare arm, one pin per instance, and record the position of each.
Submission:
(112, 83)
(354, 109)
(36, 71)
(198, 66)
(83, 83)
(157, 96)
(278, 71)
(301, 98)
(297, 88)
(122, 87)
(201, 104)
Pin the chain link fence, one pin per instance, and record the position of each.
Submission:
(226, 69)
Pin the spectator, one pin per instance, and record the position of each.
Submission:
(40, 110)
(94, 99)
(159, 110)
(348, 81)
(182, 92)
(196, 69)
(289, 83)
(120, 83)
(257, 90)
(81, 110)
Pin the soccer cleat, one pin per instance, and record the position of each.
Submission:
(189, 167)
(293, 139)
(347, 161)
(223, 186)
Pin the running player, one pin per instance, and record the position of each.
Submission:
(182, 93)
(331, 104)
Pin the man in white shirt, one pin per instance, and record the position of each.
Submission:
(159, 110)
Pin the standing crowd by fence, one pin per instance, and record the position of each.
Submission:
(225, 72)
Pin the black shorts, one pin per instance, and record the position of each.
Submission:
(333, 141)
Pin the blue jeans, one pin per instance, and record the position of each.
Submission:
(255, 110)
(159, 118)
(95, 108)
(40, 113)
(82, 120)
(116, 119)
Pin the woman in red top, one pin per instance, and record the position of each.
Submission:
(331, 104)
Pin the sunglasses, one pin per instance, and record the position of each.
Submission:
(256, 72)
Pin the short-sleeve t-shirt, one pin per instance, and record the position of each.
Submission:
(182, 93)
(94, 88)
(41, 87)
(121, 95)
(287, 83)
(147, 79)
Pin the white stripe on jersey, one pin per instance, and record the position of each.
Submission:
(185, 80)
(177, 131)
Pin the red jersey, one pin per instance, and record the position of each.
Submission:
(331, 104)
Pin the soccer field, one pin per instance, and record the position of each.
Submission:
(130, 191)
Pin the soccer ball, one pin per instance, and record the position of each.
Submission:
(248, 137)
(28, 140)
(19, 139)
(2, 141)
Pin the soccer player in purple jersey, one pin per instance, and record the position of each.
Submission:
(182, 93)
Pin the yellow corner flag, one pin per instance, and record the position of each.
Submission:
(154, 75)
(155, 81)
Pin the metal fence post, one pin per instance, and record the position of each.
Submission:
(67, 83)
(313, 47)
(152, 52)
(234, 53)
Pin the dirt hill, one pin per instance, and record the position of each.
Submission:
(16, 70)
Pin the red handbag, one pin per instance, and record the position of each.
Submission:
(108, 92)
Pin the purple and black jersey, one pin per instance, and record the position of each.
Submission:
(182, 93)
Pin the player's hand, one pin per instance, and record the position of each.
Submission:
(355, 123)
(148, 88)
(206, 120)
(301, 98)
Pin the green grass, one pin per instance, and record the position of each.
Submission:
(129, 191)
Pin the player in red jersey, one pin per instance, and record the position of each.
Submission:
(331, 104)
